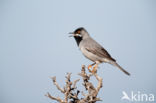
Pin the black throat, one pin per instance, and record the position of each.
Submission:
(78, 39)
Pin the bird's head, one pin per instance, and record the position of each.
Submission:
(79, 33)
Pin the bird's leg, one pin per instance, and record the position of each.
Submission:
(95, 68)
(90, 66)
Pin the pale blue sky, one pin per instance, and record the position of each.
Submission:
(35, 45)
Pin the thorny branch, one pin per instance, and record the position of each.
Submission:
(70, 90)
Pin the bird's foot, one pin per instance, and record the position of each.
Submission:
(95, 69)
(90, 66)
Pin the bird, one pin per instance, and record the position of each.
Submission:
(93, 50)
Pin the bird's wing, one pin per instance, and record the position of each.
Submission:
(97, 49)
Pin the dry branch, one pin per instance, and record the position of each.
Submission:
(70, 90)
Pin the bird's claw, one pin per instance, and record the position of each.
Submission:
(90, 66)
(94, 70)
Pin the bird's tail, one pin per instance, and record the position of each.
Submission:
(117, 65)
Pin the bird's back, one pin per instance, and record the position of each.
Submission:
(92, 46)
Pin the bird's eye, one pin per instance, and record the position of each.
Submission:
(78, 32)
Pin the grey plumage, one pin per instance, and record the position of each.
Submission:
(92, 50)
(95, 48)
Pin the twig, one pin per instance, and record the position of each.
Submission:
(56, 84)
(54, 98)
(70, 90)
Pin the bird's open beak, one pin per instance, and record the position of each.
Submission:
(72, 34)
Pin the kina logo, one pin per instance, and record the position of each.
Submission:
(137, 97)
